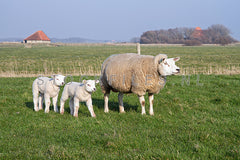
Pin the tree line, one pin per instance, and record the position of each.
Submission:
(215, 34)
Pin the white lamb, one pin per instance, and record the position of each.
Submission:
(47, 88)
(78, 92)
(133, 73)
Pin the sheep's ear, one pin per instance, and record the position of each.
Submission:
(84, 81)
(53, 76)
(159, 58)
(176, 59)
(96, 81)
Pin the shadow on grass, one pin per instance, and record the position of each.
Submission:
(114, 106)
(96, 102)
(29, 105)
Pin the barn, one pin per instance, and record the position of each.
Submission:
(37, 37)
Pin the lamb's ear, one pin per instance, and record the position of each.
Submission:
(96, 81)
(84, 81)
(159, 58)
(176, 59)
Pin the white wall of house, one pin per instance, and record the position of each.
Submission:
(36, 41)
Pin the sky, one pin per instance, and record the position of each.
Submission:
(113, 19)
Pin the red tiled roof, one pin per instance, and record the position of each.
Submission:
(198, 29)
(39, 35)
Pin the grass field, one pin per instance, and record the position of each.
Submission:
(197, 116)
(16, 60)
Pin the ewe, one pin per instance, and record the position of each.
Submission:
(47, 88)
(78, 92)
(133, 73)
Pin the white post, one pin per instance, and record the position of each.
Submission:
(138, 48)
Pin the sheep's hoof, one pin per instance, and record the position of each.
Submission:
(122, 112)
(36, 110)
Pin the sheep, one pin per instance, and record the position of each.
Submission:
(47, 88)
(78, 92)
(138, 74)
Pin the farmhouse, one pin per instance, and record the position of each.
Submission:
(37, 37)
(197, 33)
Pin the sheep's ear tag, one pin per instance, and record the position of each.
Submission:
(161, 60)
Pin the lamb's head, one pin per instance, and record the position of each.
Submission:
(59, 80)
(166, 66)
(90, 85)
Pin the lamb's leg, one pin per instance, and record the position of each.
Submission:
(54, 99)
(150, 98)
(47, 102)
(120, 101)
(106, 96)
(71, 105)
(90, 107)
(62, 101)
(142, 102)
(40, 101)
(35, 100)
(76, 107)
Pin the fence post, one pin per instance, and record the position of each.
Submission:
(138, 48)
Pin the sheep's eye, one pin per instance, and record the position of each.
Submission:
(89, 85)
(57, 79)
(167, 64)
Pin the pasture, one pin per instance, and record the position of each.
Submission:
(197, 116)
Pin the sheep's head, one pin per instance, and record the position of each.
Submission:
(59, 80)
(166, 66)
(90, 85)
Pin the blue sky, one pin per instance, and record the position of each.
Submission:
(113, 19)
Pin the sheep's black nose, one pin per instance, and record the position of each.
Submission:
(94, 89)
(178, 70)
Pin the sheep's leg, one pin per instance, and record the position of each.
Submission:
(150, 98)
(106, 96)
(90, 107)
(47, 102)
(76, 107)
(54, 99)
(62, 101)
(142, 102)
(120, 101)
(71, 106)
(40, 101)
(35, 100)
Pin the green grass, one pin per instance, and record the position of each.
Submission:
(195, 119)
(86, 59)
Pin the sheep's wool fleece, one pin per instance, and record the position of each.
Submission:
(132, 73)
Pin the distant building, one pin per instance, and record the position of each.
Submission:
(37, 37)
(197, 33)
